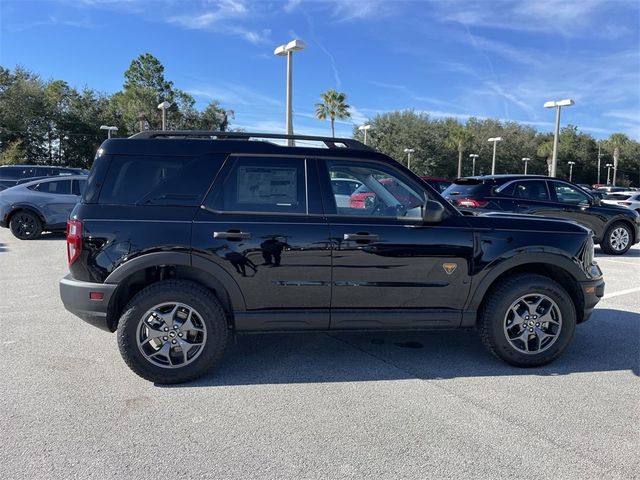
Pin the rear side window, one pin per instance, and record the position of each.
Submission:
(11, 173)
(158, 180)
(60, 187)
(273, 185)
(532, 190)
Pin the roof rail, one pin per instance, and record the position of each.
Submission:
(329, 142)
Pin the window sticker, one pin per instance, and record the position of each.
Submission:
(268, 185)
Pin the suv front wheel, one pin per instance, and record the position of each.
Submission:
(527, 320)
(172, 331)
(617, 239)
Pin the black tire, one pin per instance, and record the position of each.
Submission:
(25, 225)
(493, 315)
(608, 243)
(180, 291)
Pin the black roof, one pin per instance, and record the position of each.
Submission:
(508, 176)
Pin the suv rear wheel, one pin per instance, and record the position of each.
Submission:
(172, 331)
(617, 239)
(25, 225)
(528, 320)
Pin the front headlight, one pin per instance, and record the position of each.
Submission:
(589, 252)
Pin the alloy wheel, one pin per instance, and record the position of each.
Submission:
(171, 335)
(619, 239)
(533, 323)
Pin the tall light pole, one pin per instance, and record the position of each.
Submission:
(287, 50)
(473, 157)
(163, 106)
(364, 128)
(557, 105)
(609, 165)
(109, 129)
(409, 151)
(495, 140)
(571, 164)
(526, 161)
(600, 155)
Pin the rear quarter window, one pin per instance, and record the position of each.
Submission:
(157, 180)
(465, 188)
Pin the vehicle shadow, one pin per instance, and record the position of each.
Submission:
(51, 236)
(609, 341)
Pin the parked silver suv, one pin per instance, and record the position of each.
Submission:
(44, 204)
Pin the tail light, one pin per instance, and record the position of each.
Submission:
(74, 240)
(470, 203)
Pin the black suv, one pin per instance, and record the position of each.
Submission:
(183, 239)
(615, 228)
(11, 175)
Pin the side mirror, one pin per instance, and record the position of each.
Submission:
(432, 212)
(595, 201)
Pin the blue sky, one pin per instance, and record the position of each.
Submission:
(498, 59)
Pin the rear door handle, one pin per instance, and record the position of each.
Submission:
(232, 235)
(361, 237)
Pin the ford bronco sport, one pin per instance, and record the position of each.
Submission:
(183, 239)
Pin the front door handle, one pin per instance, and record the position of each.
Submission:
(233, 235)
(361, 237)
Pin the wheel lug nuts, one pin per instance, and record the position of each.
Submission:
(165, 338)
(166, 329)
(180, 335)
(175, 327)
(537, 324)
(174, 341)
(531, 329)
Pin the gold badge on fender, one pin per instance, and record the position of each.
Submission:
(449, 267)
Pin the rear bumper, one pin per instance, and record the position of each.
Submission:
(592, 292)
(76, 298)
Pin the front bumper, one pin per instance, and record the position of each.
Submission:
(76, 297)
(592, 291)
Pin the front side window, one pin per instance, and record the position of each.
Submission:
(262, 185)
(566, 193)
(383, 193)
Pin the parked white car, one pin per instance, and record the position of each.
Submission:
(630, 199)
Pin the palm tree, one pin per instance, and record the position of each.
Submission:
(459, 137)
(333, 106)
(545, 149)
(615, 142)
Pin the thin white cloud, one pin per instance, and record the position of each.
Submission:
(234, 95)
(569, 18)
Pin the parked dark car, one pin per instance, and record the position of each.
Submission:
(11, 175)
(439, 183)
(40, 205)
(615, 228)
(184, 239)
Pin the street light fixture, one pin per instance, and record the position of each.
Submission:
(473, 157)
(409, 151)
(163, 106)
(526, 161)
(571, 164)
(364, 128)
(109, 129)
(609, 165)
(557, 105)
(287, 50)
(495, 140)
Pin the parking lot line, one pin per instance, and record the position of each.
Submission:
(618, 261)
(621, 292)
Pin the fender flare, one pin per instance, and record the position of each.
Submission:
(206, 267)
(508, 262)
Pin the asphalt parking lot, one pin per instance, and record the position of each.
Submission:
(405, 405)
